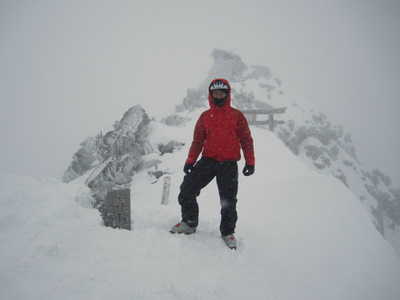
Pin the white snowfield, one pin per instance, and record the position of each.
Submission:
(301, 235)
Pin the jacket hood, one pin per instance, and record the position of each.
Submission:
(228, 97)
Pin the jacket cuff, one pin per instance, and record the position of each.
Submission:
(190, 161)
(250, 162)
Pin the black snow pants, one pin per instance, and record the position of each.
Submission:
(204, 171)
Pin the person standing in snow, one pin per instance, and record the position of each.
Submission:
(220, 133)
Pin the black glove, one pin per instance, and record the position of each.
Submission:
(188, 168)
(248, 170)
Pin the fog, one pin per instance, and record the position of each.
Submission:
(69, 69)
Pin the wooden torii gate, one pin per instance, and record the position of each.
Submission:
(251, 116)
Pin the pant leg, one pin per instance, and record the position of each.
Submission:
(203, 172)
(227, 180)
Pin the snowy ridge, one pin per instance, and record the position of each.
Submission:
(307, 133)
(301, 235)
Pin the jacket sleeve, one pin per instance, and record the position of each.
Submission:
(246, 141)
(199, 137)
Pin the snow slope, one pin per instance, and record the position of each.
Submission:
(301, 235)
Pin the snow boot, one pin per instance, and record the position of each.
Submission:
(230, 241)
(183, 227)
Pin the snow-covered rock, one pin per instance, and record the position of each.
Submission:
(116, 153)
(109, 162)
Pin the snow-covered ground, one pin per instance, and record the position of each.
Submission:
(301, 235)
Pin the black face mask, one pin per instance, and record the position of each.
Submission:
(220, 102)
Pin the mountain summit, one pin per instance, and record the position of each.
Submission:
(306, 132)
(301, 234)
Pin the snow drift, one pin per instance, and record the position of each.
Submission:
(301, 235)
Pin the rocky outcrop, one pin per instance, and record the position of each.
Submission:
(114, 155)
(112, 159)
(84, 159)
(227, 65)
(108, 162)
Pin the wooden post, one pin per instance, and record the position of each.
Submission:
(271, 121)
(165, 190)
(253, 118)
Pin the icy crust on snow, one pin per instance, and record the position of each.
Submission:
(301, 235)
(307, 132)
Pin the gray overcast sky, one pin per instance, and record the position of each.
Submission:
(69, 69)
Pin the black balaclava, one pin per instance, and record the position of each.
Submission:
(220, 102)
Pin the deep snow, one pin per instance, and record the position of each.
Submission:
(301, 235)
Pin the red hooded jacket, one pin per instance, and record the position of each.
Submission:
(220, 132)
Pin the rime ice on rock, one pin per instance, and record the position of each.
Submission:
(109, 163)
(227, 65)
(116, 153)
(84, 159)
